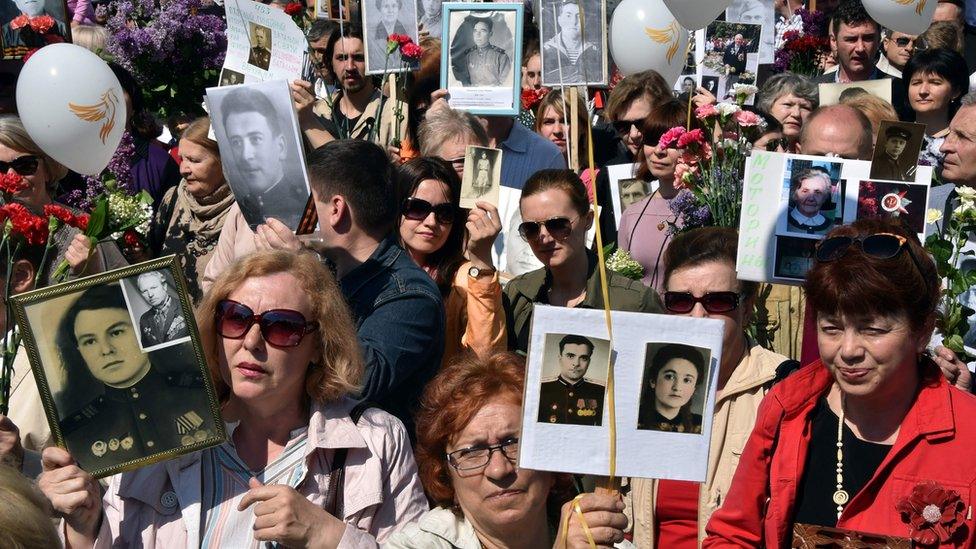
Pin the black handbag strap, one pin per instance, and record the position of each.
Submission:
(333, 498)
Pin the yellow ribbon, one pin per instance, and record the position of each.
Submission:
(586, 528)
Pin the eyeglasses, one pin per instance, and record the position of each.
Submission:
(467, 459)
(903, 41)
(623, 126)
(279, 327)
(23, 165)
(713, 302)
(558, 227)
(879, 245)
(418, 209)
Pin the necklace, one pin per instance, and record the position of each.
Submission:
(840, 495)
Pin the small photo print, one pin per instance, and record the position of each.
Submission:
(429, 18)
(155, 308)
(896, 151)
(632, 191)
(686, 85)
(731, 55)
(794, 257)
(813, 197)
(381, 18)
(887, 200)
(260, 54)
(710, 83)
(673, 387)
(230, 77)
(482, 176)
(332, 9)
(574, 379)
(832, 93)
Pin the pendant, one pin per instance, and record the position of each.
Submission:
(841, 497)
(660, 226)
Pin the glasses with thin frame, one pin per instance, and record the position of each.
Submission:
(476, 457)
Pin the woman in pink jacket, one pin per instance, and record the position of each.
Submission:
(871, 437)
(300, 467)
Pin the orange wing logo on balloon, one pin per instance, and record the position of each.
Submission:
(918, 8)
(103, 111)
(671, 33)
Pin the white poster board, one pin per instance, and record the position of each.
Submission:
(263, 43)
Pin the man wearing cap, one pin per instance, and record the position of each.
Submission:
(890, 163)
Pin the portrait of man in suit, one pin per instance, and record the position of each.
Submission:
(164, 321)
(734, 59)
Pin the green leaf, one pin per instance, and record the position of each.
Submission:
(98, 219)
(144, 197)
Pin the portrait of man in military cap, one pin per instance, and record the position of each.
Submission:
(481, 50)
(570, 397)
(896, 152)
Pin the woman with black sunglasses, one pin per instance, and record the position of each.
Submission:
(454, 252)
(700, 281)
(871, 437)
(556, 215)
(300, 467)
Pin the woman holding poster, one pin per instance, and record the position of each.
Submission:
(871, 437)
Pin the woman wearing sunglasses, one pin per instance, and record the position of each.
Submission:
(936, 79)
(871, 437)
(700, 281)
(297, 469)
(467, 451)
(438, 238)
(556, 215)
(19, 155)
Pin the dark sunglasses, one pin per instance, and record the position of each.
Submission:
(879, 245)
(558, 227)
(623, 126)
(903, 41)
(713, 302)
(418, 209)
(23, 165)
(773, 144)
(279, 327)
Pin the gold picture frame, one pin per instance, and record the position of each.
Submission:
(120, 367)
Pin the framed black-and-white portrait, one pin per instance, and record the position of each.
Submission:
(480, 57)
(573, 39)
(18, 35)
(482, 176)
(381, 18)
(429, 17)
(112, 403)
(261, 150)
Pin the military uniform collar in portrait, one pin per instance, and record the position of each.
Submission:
(566, 402)
(164, 323)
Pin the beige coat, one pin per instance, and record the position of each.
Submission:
(735, 414)
(27, 413)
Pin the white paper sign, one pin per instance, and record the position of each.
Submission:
(575, 438)
(263, 43)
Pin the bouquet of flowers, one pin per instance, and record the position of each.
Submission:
(173, 51)
(803, 50)
(946, 247)
(712, 162)
(621, 262)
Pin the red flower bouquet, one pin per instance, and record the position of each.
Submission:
(933, 513)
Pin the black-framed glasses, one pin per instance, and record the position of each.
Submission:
(623, 126)
(713, 302)
(903, 41)
(476, 457)
(417, 209)
(774, 144)
(879, 245)
(23, 165)
(558, 227)
(279, 327)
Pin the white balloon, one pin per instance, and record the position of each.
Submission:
(72, 106)
(644, 36)
(907, 16)
(696, 14)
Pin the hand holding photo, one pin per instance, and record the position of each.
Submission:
(482, 176)
(896, 151)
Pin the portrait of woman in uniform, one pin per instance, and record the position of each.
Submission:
(108, 401)
(673, 389)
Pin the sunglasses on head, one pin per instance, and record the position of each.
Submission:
(878, 245)
(23, 165)
(558, 227)
(713, 302)
(418, 209)
(279, 327)
(623, 126)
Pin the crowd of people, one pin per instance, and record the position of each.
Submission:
(372, 377)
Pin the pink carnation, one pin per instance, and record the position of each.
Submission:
(746, 118)
(694, 136)
(683, 175)
(706, 111)
(670, 137)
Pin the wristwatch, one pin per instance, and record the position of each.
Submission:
(475, 272)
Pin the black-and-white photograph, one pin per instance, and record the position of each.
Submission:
(574, 380)
(429, 17)
(793, 257)
(381, 18)
(832, 93)
(229, 77)
(482, 176)
(813, 193)
(260, 53)
(686, 85)
(155, 308)
(332, 9)
(673, 388)
(632, 191)
(260, 148)
(573, 37)
(109, 402)
(896, 151)
(731, 55)
(710, 83)
(17, 38)
(757, 12)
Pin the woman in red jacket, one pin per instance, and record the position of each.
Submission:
(871, 437)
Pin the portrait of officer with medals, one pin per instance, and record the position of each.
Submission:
(113, 402)
(260, 53)
(570, 398)
(163, 322)
(483, 64)
(673, 374)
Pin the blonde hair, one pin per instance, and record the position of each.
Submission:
(873, 107)
(14, 135)
(340, 370)
(90, 37)
(555, 100)
(24, 522)
(198, 132)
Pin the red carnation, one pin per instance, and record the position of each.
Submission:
(20, 22)
(42, 23)
(411, 50)
(293, 8)
(81, 221)
(131, 239)
(403, 39)
(31, 227)
(933, 513)
(13, 183)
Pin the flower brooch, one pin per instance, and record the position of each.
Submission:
(933, 513)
